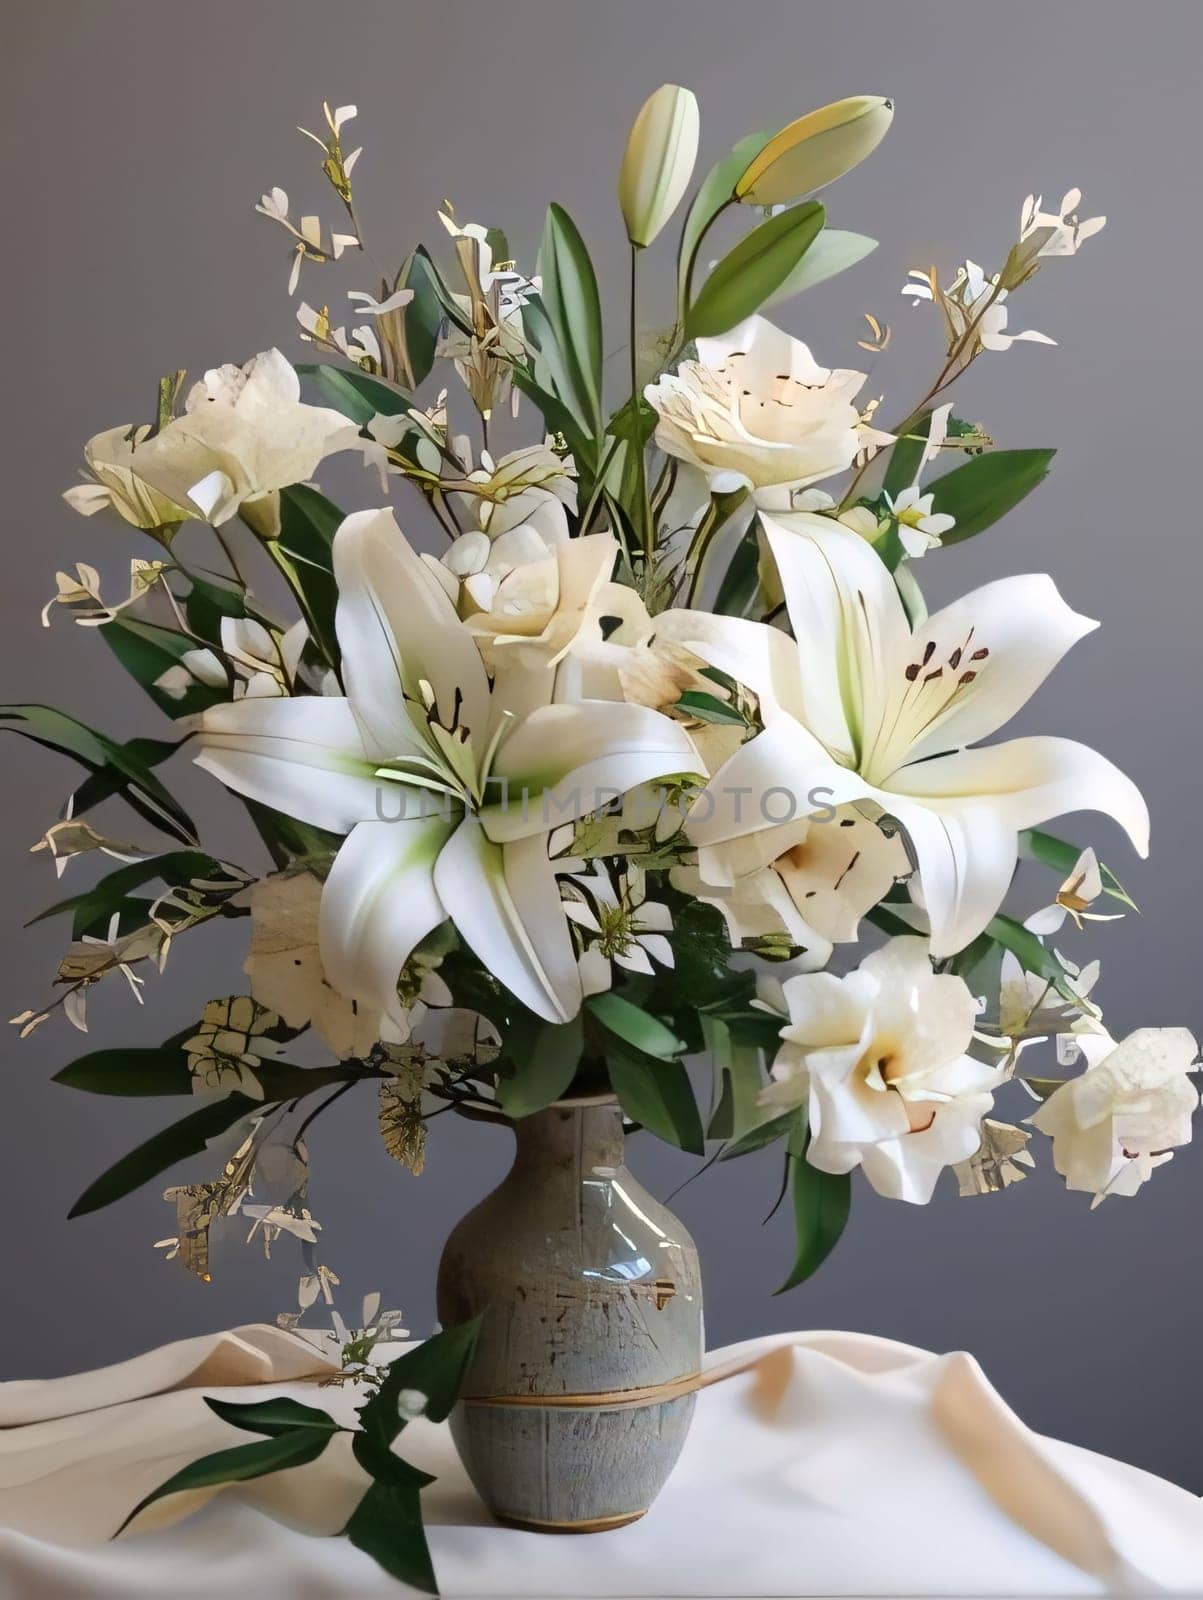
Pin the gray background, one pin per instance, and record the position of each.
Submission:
(139, 135)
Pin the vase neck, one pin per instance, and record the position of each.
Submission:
(577, 1138)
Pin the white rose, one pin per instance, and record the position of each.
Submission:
(757, 404)
(1125, 1114)
(243, 437)
(879, 1059)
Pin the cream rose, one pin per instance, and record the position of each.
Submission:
(1124, 1115)
(879, 1060)
(756, 405)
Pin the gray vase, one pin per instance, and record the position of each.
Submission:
(578, 1399)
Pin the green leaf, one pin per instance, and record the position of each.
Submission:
(821, 1201)
(188, 1137)
(358, 395)
(766, 1132)
(1033, 956)
(303, 553)
(124, 767)
(906, 455)
(1063, 857)
(741, 581)
(570, 299)
(423, 316)
(288, 840)
(739, 1078)
(709, 708)
(387, 1525)
(557, 416)
(273, 1417)
(147, 652)
(208, 603)
(634, 1026)
(986, 488)
(888, 921)
(131, 1072)
(658, 1095)
(833, 252)
(911, 595)
(93, 908)
(109, 781)
(716, 192)
(434, 1368)
(760, 263)
(543, 1061)
(237, 1465)
(164, 1071)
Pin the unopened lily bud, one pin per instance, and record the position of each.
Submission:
(658, 162)
(815, 150)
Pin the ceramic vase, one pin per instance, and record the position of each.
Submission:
(580, 1395)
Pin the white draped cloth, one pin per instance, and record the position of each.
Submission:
(818, 1464)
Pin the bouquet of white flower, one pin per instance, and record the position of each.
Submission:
(665, 693)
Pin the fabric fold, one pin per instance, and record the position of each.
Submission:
(819, 1463)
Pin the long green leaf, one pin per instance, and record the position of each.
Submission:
(96, 905)
(569, 297)
(435, 1368)
(358, 395)
(127, 771)
(741, 581)
(759, 264)
(716, 192)
(658, 1096)
(133, 1073)
(905, 455)
(303, 553)
(238, 1464)
(543, 1062)
(634, 1026)
(102, 785)
(188, 1137)
(387, 1525)
(147, 651)
(766, 1132)
(833, 252)
(1033, 956)
(273, 1417)
(986, 488)
(138, 1074)
(821, 1201)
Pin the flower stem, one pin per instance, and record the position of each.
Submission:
(643, 518)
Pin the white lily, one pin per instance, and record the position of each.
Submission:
(420, 737)
(863, 708)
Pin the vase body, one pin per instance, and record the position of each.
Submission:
(590, 1294)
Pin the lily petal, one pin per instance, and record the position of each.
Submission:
(849, 623)
(304, 757)
(397, 629)
(473, 883)
(378, 902)
(963, 813)
(1010, 635)
(564, 761)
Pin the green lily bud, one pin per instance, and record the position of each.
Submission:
(815, 150)
(658, 162)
